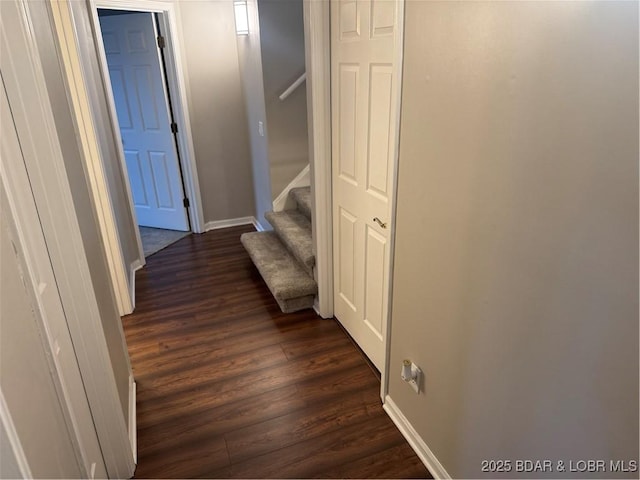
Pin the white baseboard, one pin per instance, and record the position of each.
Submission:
(258, 226)
(133, 268)
(231, 222)
(301, 180)
(133, 425)
(422, 450)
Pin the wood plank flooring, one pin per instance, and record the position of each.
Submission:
(230, 387)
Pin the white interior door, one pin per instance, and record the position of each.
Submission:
(141, 103)
(364, 121)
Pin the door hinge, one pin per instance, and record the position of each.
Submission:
(161, 41)
(185, 202)
(174, 127)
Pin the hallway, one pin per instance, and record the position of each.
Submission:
(230, 387)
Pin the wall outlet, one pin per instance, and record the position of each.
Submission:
(411, 374)
(261, 129)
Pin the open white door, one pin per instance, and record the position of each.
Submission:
(137, 82)
(364, 121)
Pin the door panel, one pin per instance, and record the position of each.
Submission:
(347, 121)
(145, 125)
(121, 99)
(383, 18)
(136, 178)
(364, 120)
(349, 20)
(147, 98)
(375, 261)
(378, 158)
(347, 253)
(162, 182)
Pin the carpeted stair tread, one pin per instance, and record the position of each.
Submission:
(290, 285)
(294, 230)
(302, 196)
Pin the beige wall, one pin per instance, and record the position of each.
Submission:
(84, 208)
(282, 46)
(25, 378)
(516, 265)
(249, 58)
(217, 109)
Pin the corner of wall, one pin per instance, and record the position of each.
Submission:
(249, 58)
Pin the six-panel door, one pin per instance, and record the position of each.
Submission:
(364, 119)
(145, 125)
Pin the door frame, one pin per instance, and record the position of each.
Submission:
(318, 68)
(62, 19)
(317, 20)
(169, 28)
(26, 88)
(30, 248)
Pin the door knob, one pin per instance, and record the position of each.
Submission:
(380, 222)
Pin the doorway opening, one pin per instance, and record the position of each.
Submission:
(137, 60)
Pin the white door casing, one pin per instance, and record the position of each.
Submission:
(25, 85)
(38, 277)
(140, 98)
(364, 137)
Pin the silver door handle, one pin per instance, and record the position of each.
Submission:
(380, 222)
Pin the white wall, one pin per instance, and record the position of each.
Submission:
(282, 47)
(516, 262)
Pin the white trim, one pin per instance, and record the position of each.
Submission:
(133, 268)
(31, 249)
(175, 77)
(86, 129)
(14, 440)
(26, 88)
(419, 446)
(397, 74)
(318, 68)
(301, 180)
(258, 226)
(133, 429)
(231, 222)
(95, 77)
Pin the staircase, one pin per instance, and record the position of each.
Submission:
(284, 257)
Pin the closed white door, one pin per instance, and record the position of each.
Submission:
(141, 102)
(364, 121)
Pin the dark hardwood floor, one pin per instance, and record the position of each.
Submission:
(230, 387)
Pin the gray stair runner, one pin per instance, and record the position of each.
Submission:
(294, 230)
(302, 196)
(285, 257)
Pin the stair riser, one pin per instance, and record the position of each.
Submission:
(302, 198)
(290, 285)
(294, 231)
